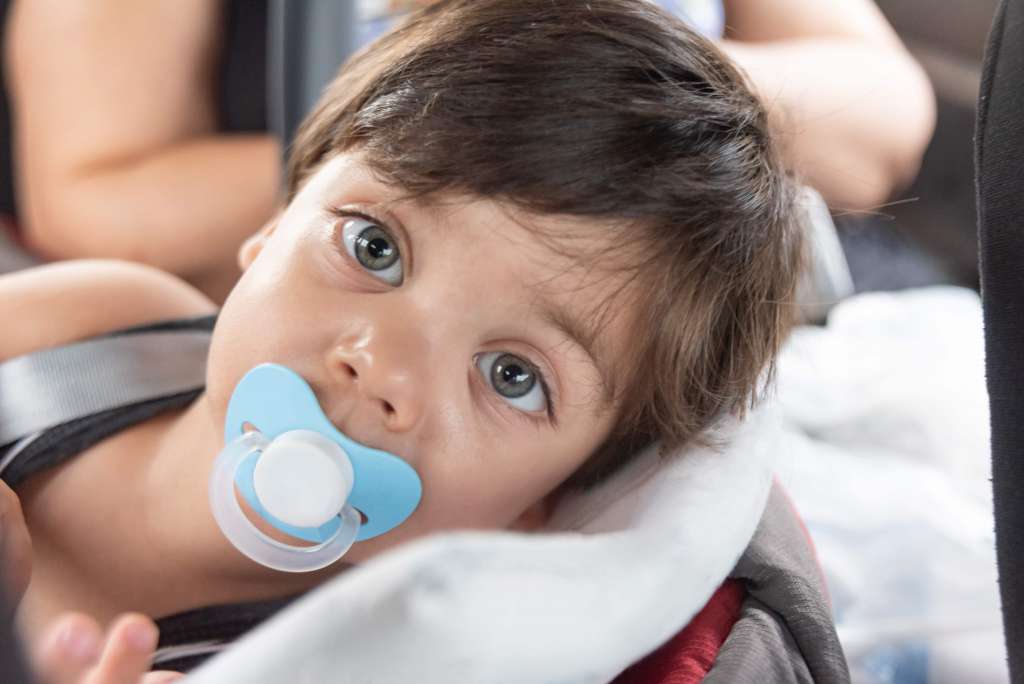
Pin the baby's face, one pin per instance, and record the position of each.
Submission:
(445, 333)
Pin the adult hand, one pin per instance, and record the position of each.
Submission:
(15, 546)
(74, 651)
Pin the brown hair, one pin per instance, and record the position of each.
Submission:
(615, 111)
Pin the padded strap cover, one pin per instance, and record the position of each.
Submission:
(55, 386)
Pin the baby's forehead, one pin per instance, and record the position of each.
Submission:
(552, 255)
(565, 243)
(555, 249)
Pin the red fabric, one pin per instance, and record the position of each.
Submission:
(689, 655)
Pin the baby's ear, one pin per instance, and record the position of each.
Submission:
(253, 245)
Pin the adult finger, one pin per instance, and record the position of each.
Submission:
(15, 544)
(68, 649)
(127, 653)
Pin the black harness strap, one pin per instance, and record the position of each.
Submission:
(56, 403)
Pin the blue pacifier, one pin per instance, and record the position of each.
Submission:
(302, 476)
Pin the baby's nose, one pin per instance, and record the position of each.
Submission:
(381, 378)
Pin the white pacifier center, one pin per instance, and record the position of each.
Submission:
(303, 478)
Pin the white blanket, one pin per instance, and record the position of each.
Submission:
(886, 428)
(624, 568)
(883, 447)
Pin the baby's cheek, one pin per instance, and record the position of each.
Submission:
(477, 504)
(494, 503)
(477, 493)
(490, 502)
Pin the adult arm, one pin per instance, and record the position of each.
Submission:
(60, 303)
(854, 110)
(116, 142)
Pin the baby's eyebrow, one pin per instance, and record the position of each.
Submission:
(586, 337)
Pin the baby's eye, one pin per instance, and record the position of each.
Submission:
(515, 380)
(374, 249)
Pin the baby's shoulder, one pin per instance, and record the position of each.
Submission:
(67, 301)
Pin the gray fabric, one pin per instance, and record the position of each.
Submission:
(785, 629)
(308, 41)
(55, 386)
(56, 445)
(12, 256)
(179, 343)
(759, 650)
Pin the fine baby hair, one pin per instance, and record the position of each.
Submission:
(364, 404)
(616, 112)
(613, 113)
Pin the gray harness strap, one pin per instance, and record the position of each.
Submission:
(785, 632)
(54, 386)
(56, 402)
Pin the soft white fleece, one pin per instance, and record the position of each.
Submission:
(626, 566)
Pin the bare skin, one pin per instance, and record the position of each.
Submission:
(75, 650)
(397, 366)
(140, 172)
(82, 299)
(853, 109)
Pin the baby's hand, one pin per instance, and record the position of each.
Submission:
(73, 651)
(15, 546)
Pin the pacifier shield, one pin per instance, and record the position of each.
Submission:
(301, 475)
(276, 400)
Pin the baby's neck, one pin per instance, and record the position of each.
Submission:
(128, 527)
(176, 491)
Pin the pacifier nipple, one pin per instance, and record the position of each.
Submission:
(303, 478)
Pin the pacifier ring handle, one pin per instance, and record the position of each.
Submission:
(252, 542)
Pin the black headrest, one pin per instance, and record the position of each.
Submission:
(1000, 186)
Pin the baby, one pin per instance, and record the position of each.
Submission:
(522, 239)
